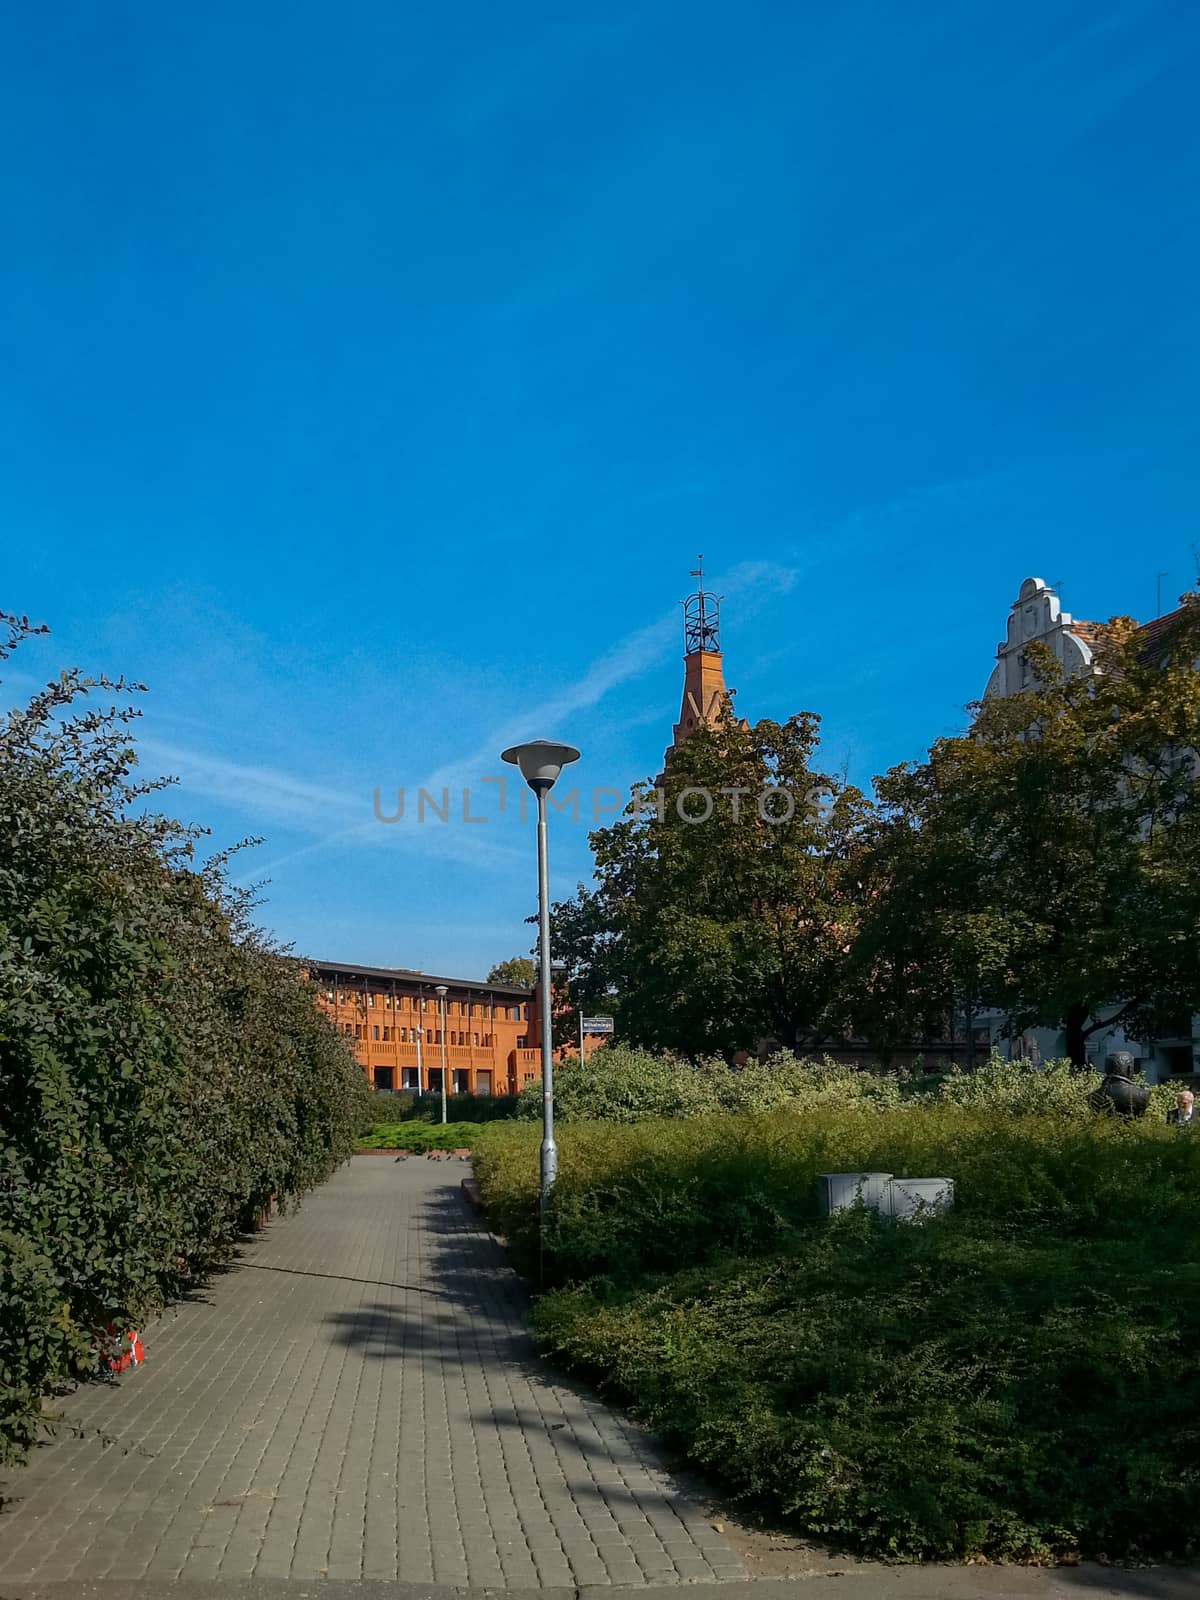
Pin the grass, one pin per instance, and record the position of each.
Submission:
(1016, 1379)
(420, 1136)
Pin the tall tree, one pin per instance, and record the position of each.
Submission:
(517, 970)
(725, 907)
(1045, 862)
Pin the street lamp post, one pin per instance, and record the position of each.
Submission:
(540, 763)
(440, 991)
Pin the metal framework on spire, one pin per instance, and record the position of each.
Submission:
(701, 617)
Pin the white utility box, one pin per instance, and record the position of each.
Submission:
(838, 1191)
(909, 1198)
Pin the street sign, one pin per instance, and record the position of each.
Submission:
(596, 1024)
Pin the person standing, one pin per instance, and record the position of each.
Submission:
(1183, 1113)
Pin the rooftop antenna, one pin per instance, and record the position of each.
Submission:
(701, 616)
(1158, 592)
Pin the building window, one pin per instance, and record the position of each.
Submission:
(358, 1030)
(461, 1080)
(409, 1079)
(383, 1077)
(475, 1038)
(341, 997)
(1178, 1057)
(529, 1078)
(375, 1031)
(371, 1000)
(483, 1083)
(435, 1078)
(521, 1044)
(387, 1034)
(346, 1029)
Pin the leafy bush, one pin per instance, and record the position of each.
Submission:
(421, 1136)
(477, 1107)
(1015, 1378)
(619, 1083)
(388, 1108)
(163, 1070)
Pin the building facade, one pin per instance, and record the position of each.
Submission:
(401, 1036)
(1036, 616)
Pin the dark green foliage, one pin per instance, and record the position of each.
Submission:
(387, 1108)
(163, 1071)
(717, 933)
(1015, 1379)
(1085, 785)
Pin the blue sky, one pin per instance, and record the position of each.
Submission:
(372, 375)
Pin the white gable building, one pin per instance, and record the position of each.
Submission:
(1037, 616)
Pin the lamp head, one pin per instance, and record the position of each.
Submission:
(441, 990)
(540, 761)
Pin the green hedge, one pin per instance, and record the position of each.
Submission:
(618, 1083)
(163, 1071)
(388, 1108)
(421, 1136)
(1015, 1379)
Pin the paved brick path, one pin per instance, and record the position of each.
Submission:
(356, 1399)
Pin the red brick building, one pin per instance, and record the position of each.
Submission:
(394, 1019)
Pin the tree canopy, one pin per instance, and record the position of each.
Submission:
(725, 905)
(1044, 863)
(517, 970)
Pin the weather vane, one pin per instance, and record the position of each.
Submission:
(701, 616)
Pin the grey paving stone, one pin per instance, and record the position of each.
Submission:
(357, 1398)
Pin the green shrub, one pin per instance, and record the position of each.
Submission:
(479, 1107)
(421, 1136)
(1015, 1378)
(619, 1083)
(163, 1070)
(388, 1108)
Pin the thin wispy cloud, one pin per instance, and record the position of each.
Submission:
(635, 654)
(267, 793)
(340, 814)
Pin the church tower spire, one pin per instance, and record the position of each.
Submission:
(704, 691)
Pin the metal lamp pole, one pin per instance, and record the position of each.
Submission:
(540, 763)
(549, 1152)
(440, 991)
